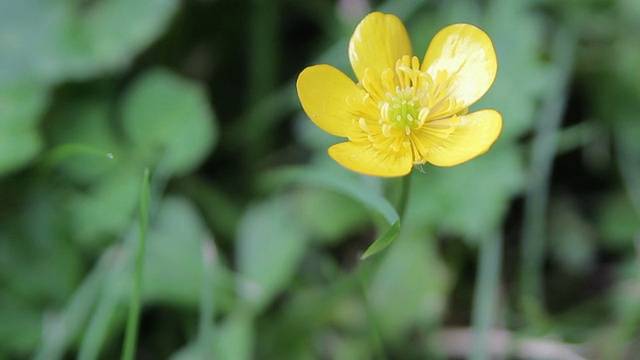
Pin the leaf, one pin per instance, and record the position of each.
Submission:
(410, 286)
(234, 337)
(361, 189)
(82, 134)
(106, 208)
(49, 41)
(328, 215)
(382, 242)
(174, 262)
(468, 199)
(269, 246)
(21, 106)
(618, 222)
(169, 121)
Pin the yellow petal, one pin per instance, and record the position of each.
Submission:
(466, 53)
(364, 159)
(453, 141)
(377, 43)
(323, 92)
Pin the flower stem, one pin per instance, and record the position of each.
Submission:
(374, 328)
(404, 196)
(131, 335)
(485, 299)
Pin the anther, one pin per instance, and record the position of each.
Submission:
(363, 124)
(386, 130)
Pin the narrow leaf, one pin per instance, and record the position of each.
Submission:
(385, 240)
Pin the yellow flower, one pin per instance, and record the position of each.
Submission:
(402, 113)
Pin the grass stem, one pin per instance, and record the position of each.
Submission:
(487, 281)
(131, 332)
(543, 152)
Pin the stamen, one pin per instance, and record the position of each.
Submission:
(386, 130)
(423, 114)
(363, 124)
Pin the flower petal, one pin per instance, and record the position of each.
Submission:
(455, 140)
(324, 92)
(466, 53)
(377, 43)
(364, 159)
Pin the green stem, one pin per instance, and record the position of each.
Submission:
(484, 301)
(404, 196)
(374, 328)
(131, 335)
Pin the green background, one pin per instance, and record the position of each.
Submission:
(255, 233)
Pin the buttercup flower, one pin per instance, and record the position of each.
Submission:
(402, 113)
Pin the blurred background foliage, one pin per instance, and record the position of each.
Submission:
(255, 233)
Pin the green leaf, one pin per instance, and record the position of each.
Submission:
(82, 135)
(365, 190)
(169, 121)
(618, 222)
(106, 208)
(233, 340)
(235, 337)
(382, 242)
(330, 216)
(174, 260)
(468, 199)
(410, 286)
(270, 244)
(20, 109)
(49, 41)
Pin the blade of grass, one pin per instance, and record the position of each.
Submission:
(383, 242)
(484, 302)
(544, 148)
(131, 334)
(62, 152)
(206, 325)
(64, 327)
(622, 340)
(106, 311)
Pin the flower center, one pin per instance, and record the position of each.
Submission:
(401, 110)
(402, 104)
